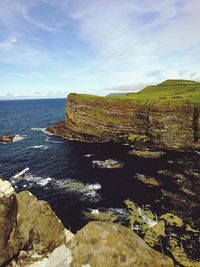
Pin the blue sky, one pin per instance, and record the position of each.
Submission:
(49, 48)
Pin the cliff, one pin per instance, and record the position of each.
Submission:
(166, 116)
(32, 236)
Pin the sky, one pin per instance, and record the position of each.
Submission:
(49, 48)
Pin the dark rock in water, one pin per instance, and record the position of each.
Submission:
(7, 138)
(108, 164)
(147, 179)
(111, 245)
(147, 153)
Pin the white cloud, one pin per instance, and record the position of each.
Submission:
(97, 44)
(133, 47)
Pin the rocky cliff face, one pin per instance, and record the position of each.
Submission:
(101, 119)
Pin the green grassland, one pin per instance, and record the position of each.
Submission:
(169, 91)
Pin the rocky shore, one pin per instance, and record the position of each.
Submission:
(32, 235)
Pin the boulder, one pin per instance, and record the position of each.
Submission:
(111, 245)
(28, 227)
(39, 226)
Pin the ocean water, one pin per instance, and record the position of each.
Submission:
(62, 171)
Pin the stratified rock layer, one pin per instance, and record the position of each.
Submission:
(111, 245)
(101, 119)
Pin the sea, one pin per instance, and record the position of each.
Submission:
(72, 177)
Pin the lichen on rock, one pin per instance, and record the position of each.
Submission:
(111, 245)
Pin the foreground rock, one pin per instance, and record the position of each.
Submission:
(7, 138)
(111, 245)
(38, 224)
(10, 237)
(32, 236)
(27, 225)
(60, 257)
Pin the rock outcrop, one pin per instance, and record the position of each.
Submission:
(38, 224)
(102, 119)
(9, 138)
(10, 238)
(27, 225)
(110, 245)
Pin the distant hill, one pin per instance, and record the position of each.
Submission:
(172, 91)
(117, 94)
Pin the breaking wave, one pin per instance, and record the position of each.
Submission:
(19, 137)
(38, 146)
(53, 141)
(29, 181)
(21, 173)
(83, 191)
(38, 129)
(88, 155)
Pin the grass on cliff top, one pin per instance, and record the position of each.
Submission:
(170, 91)
(167, 92)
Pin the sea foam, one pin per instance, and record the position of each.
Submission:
(38, 146)
(19, 137)
(21, 173)
(38, 129)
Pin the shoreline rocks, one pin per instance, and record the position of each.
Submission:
(9, 138)
(31, 235)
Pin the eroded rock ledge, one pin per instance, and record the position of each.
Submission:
(32, 235)
(102, 119)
